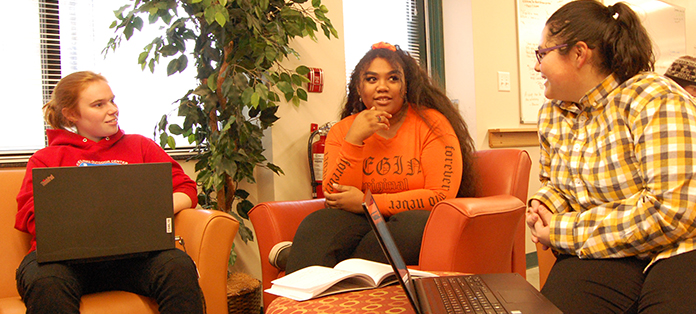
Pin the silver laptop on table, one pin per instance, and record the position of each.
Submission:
(482, 293)
(94, 213)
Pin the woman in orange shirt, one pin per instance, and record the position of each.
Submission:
(401, 138)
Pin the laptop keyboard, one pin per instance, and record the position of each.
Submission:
(467, 294)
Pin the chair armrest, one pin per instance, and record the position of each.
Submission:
(276, 222)
(208, 237)
(472, 235)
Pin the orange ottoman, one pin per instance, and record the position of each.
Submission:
(390, 299)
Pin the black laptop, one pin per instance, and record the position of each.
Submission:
(481, 293)
(102, 212)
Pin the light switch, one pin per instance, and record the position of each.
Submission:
(503, 81)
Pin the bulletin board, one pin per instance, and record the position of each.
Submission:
(665, 23)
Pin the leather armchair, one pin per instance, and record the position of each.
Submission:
(208, 237)
(482, 234)
(546, 260)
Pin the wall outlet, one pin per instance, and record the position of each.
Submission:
(503, 81)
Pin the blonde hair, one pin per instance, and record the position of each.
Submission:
(66, 95)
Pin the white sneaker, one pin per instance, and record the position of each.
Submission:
(278, 257)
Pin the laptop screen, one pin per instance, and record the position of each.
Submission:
(389, 247)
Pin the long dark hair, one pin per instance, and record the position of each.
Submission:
(616, 31)
(421, 93)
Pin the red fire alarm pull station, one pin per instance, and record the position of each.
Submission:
(316, 80)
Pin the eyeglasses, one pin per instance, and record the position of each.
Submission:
(540, 53)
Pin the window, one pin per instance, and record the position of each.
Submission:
(398, 22)
(57, 39)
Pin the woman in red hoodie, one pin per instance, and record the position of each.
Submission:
(84, 132)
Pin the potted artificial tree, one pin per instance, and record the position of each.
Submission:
(237, 47)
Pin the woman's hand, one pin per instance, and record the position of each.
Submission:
(367, 123)
(538, 218)
(348, 198)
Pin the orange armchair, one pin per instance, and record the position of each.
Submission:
(208, 237)
(482, 234)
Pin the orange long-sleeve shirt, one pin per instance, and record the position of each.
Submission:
(415, 169)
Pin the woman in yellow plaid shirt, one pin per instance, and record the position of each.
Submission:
(618, 165)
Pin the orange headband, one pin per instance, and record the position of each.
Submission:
(383, 45)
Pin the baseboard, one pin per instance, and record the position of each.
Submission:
(532, 260)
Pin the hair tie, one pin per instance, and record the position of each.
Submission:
(613, 12)
(383, 45)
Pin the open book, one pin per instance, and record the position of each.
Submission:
(348, 275)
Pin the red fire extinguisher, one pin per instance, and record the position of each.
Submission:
(316, 157)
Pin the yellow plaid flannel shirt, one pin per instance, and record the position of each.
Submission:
(619, 169)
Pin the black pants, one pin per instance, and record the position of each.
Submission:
(170, 277)
(329, 236)
(620, 285)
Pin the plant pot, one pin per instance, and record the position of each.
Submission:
(243, 294)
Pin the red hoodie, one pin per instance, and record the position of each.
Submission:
(67, 149)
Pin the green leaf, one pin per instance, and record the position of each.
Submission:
(163, 123)
(119, 12)
(128, 31)
(142, 58)
(262, 90)
(163, 140)
(302, 94)
(270, 53)
(212, 81)
(289, 96)
(273, 96)
(172, 67)
(138, 23)
(151, 64)
(285, 77)
(316, 3)
(220, 18)
(209, 15)
(297, 80)
(245, 233)
(255, 100)
(175, 129)
(246, 95)
(183, 62)
(302, 70)
(169, 50)
(243, 208)
(195, 1)
(268, 115)
(285, 87)
(171, 142)
(228, 166)
(274, 168)
(241, 193)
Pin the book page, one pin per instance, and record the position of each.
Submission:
(377, 271)
(314, 278)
